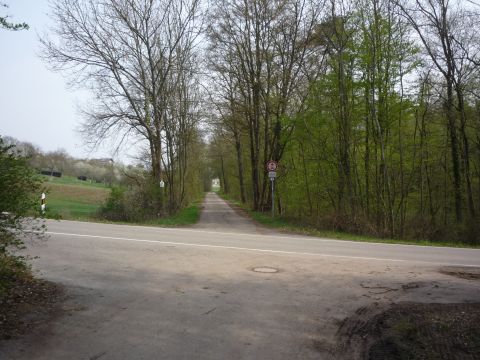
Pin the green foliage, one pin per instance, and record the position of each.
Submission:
(5, 24)
(297, 225)
(136, 204)
(11, 268)
(19, 208)
(114, 207)
(19, 196)
(186, 216)
(370, 151)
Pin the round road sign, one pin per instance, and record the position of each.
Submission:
(272, 165)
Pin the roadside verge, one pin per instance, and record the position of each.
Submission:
(293, 226)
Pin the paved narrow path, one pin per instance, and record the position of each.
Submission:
(218, 215)
(137, 292)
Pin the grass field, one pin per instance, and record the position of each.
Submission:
(70, 180)
(72, 199)
(69, 198)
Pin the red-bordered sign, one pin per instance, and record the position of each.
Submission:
(272, 165)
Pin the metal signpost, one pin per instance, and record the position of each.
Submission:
(272, 174)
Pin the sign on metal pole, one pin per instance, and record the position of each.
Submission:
(272, 174)
(272, 180)
(272, 165)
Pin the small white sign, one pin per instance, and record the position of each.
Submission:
(272, 174)
(162, 184)
(43, 196)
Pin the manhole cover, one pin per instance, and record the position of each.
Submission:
(265, 269)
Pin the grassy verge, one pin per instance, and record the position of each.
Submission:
(186, 216)
(72, 199)
(294, 226)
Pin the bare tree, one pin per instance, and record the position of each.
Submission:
(130, 53)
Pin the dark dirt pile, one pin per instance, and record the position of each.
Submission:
(413, 331)
(27, 302)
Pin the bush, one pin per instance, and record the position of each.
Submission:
(138, 203)
(114, 207)
(19, 211)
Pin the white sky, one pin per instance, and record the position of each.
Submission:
(35, 104)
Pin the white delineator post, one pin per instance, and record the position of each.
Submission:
(42, 206)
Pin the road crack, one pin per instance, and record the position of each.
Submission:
(210, 311)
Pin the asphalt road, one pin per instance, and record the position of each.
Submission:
(154, 293)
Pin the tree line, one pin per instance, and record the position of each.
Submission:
(370, 107)
(103, 170)
(139, 60)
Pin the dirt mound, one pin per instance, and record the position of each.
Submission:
(29, 302)
(412, 331)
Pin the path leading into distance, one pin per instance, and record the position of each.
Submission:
(217, 215)
(193, 293)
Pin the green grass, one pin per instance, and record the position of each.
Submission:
(186, 216)
(72, 201)
(71, 209)
(294, 226)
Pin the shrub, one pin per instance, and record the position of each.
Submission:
(19, 211)
(137, 203)
(114, 207)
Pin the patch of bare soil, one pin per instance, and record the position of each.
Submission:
(28, 302)
(469, 273)
(412, 331)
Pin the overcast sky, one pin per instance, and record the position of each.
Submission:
(35, 103)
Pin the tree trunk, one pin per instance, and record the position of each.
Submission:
(452, 131)
(238, 148)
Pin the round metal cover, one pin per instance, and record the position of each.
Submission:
(265, 269)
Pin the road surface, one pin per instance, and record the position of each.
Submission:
(207, 292)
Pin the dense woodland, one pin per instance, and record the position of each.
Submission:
(370, 107)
